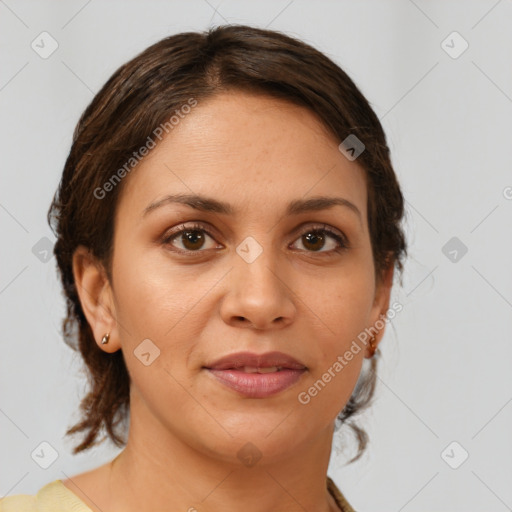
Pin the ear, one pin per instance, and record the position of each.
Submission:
(96, 298)
(381, 305)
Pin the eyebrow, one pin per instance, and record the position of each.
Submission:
(206, 204)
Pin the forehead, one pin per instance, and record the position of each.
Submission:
(249, 150)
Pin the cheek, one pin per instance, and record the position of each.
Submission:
(150, 296)
(332, 380)
(345, 305)
(156, 302)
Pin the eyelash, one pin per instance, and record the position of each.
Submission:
(320, 228)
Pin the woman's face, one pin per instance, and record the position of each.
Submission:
(255, 280)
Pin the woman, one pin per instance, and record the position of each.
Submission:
(228, 224)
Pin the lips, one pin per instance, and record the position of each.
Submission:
(251, 362)
(257, 375)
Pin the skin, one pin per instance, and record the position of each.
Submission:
(258, 154)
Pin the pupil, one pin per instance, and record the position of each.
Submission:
(312, 238)
(192, 237)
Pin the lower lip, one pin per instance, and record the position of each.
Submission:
(257, 385)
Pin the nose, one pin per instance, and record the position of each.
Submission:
(258, 294)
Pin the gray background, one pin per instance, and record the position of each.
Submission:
(445, 372)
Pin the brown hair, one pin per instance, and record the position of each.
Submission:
(139, 97)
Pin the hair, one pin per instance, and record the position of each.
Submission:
(141, 96)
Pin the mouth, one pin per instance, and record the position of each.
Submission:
(257, 376)
(252, 363)
(255, 369)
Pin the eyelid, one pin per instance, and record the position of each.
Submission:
(318, 226)
(187, 226)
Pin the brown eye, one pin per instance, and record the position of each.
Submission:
(192, 238)
(314, 240)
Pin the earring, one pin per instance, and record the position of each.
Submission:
(105, 338)
(373, 347)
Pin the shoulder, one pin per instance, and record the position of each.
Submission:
(18, 503)
(52, 497)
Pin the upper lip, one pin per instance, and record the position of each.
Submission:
(266, 360)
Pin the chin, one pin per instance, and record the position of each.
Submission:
(255, 442)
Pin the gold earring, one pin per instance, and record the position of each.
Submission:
(105, 338)
(373, 347)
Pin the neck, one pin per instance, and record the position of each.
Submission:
(158, 470)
